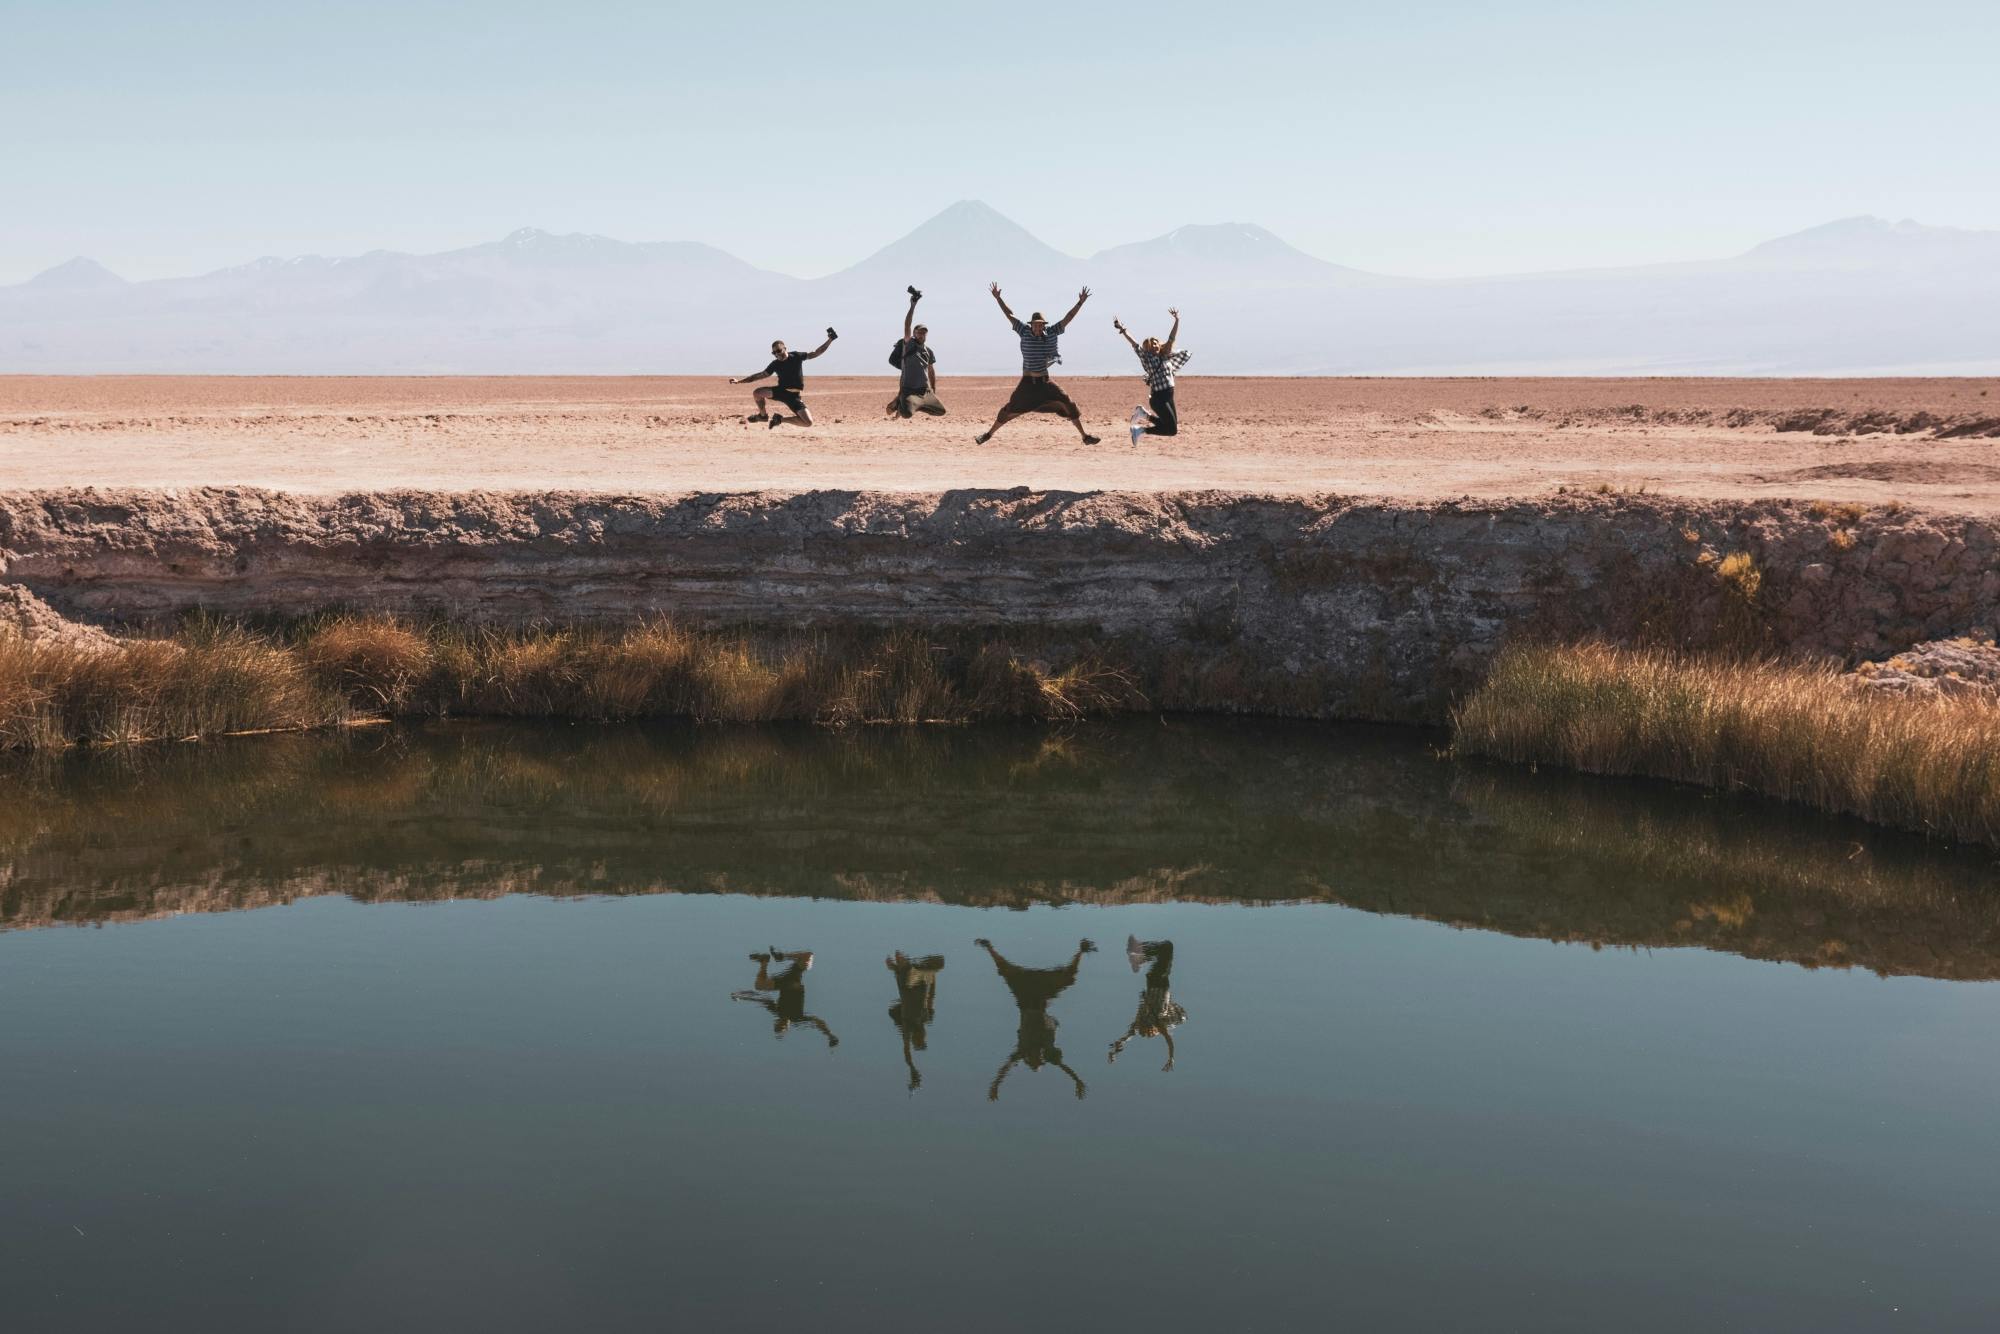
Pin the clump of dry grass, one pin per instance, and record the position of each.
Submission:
(1801, 733)
(206, 682)
(212, 679)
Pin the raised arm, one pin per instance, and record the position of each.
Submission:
(1005, 309)
(830, 336)
(1081, 297)
(1167, 348)
(910, 315)
(1119, 325)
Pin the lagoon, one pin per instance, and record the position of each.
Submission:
(461, 1026)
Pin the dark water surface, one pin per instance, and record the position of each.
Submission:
(493, 1052)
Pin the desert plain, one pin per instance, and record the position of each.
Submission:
(1929, 443)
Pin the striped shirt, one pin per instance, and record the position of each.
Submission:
(1160, 370)
(1038, 351)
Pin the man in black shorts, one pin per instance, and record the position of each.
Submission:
(1037, 392)
(789, 367)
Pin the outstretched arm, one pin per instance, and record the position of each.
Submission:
(1081, 297)
(1167, 348)
(1005, 309)
(1119, 325)
(746, 379)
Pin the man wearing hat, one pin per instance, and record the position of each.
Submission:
(1037, 392)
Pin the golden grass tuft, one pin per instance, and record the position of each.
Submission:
(209, 681)
(1800, 733)
(212, 679)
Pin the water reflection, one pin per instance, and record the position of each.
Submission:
(1034, 990)
(784, 994)
(1159, 1013)
(916, 1004)
(1222, 812)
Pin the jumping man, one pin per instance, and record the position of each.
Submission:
(1034, 989)
(1037, 392)
(784, 993)
(789, 367)
(917, 391)
(1160, 362)
(916, 1004)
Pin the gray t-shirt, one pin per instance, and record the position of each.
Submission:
(917, 361)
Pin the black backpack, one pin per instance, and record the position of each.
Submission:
(896, 355)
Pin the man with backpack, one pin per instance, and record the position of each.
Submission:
(916, 391)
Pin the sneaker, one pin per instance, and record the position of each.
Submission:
(1137, 431)
(775, 419)
(1092, 440)
(982, 437)
(1141, 417)
(758, 417)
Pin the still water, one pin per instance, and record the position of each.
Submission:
(1150, 1027)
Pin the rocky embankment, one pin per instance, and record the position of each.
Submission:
(1372, 608)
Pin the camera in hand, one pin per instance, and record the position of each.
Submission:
(830, 333)
(915, 295)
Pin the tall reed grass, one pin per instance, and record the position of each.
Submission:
(210, 679)
(1800, 733)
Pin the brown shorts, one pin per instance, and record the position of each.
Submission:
(917, 400)
(1038, 393)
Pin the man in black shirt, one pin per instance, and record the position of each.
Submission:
(789, 367)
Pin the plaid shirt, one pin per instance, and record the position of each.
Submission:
(1038, 351)
(1160, 370)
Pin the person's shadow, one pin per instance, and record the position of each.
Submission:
(1159, 1013)
(916, 1004)
(784, 995)
(1034, 988)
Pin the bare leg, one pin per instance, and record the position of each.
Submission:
(801, 417)
(763, 397)
(1005, 416)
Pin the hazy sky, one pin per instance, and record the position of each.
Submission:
(1436, 139)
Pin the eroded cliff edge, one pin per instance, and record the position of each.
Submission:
(1377, 609)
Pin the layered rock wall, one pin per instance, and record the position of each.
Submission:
(1389, 607)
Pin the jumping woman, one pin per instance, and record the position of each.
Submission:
(1160, 362)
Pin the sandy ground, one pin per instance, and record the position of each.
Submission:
(1868, 440)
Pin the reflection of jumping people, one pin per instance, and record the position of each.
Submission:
(1160, 362)
(788, 1004)
(917, 364)
(916, 1003)
(1037, 392)
(1159, 1014)
(1034, 989)
(789, 367)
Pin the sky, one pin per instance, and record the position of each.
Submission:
(1438, 139)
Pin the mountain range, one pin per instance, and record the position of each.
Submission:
(1857, 296)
